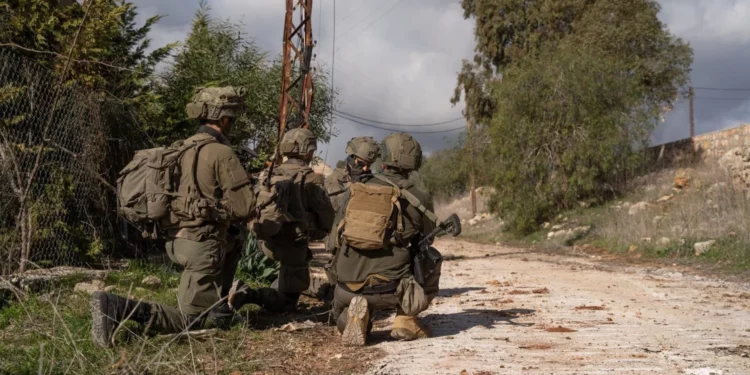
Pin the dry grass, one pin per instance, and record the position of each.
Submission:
(710, 207)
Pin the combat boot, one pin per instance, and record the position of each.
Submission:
(220, 317)
(408, 328)
(267, 298)
(357, 319)
(108, 311)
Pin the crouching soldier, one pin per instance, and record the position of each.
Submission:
(379, 220)
(212, 201)
(361, 153)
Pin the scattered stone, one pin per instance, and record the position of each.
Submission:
(683, 177)
(664, 241)
(109, 288)
(657, 219)
(151, 281)
(293, 327)
(558, 227)
(665, 198)
(626, 205)
(632, 248)
(87, 288)
(638, 208)
(646, 239)
(703, 247)
(546, 225)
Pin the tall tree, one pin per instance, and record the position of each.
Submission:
(583, 84)
(216, 53)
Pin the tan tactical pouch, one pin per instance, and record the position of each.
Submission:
(371, 217)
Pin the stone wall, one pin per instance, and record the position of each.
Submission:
(708, 146)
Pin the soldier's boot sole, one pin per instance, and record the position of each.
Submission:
(102, 326)
(358, 315)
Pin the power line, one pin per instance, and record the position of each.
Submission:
(399, 124)
(720, 89)
(374, 21)
(363, 19)
(713, 98)
(398, 130)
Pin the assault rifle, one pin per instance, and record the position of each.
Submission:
(426, 258)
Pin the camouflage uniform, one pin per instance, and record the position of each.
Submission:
(208, 249)
(382, 279)
(313, 215)
(364, 148)
(336, 184)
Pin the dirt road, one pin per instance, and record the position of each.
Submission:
(506, 311)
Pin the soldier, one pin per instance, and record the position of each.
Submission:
(361, 153)
(310, 209)
(206, 246)
(374, 273)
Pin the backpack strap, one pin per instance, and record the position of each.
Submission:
(411, 198)
(198, 146)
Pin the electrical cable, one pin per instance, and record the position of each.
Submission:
(373, 22)
(399, 130)
(399, 124)
(720, 89)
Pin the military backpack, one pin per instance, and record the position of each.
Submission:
(148, 185)
(272, 201)
(373, 216)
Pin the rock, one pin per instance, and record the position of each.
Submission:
(626, 205)
(473, 222)
(649, 188)
(702, 247)
(657, 219)
(638, 208)
(571, 235)
(665, 198)
(558, 227)
(664, 241)
(737, 162)
(584, 204)
(616, 207)
(87, 288)
(109, 288)
(683, 177)
(546, 225)
(646, 239)
(151, 281)
(99, 283)
(632, 248)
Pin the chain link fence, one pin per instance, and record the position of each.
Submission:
(55, 201)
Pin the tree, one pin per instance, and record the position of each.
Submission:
(583, 83)
(216, 53)
(97, 74)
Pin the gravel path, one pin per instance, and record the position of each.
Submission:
(506, 311)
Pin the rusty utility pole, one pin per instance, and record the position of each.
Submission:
(297, 53)
(691, 93)
(470, 146)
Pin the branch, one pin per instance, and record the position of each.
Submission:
(14, 45)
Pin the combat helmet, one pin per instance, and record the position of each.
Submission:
(401, 150)
(365, 148)
(298, 142)
(213, 103)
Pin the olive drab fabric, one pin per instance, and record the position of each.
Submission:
(213, 103)
(372, 216)
(298, 142)
(336, 184)
(400, 150)
(365, 148)
(219, 177)
(147, 187)
(312, 214)
(272, 202)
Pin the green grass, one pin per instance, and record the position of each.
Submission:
(50, 333)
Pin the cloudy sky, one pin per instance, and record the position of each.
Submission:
(395, 60)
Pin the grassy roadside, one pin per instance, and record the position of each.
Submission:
(690, 217)
(49, 333)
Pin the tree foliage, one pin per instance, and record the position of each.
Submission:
(216, 53)
(577, 88)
